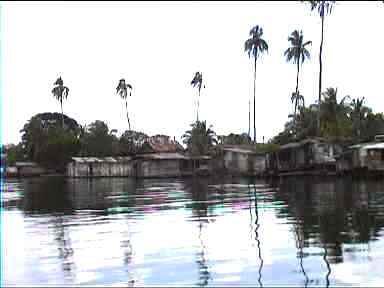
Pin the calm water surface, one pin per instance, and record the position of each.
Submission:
(186, 232)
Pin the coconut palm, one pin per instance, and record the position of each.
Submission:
(200, 139)
(197, 81)
(60, 92)
(323, 8)
(122, 90)
(255, 46)
(297, 52)
(333, 113)
(358, 114)
(298, 101)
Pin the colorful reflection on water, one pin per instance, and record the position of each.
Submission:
(186, 232)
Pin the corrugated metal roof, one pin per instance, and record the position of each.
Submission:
(374, 146)
(298, 144)
(100, 159)
(24, 164)
(161, 156)
(239, 150)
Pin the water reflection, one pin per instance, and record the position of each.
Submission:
(64, 244)
(257, 226)
(198, 189)
(198, 231)
(331, 213)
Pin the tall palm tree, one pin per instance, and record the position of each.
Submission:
(297, 52)
(60, 92)
(122, 90)
(323, 8)
(198, 81)
(255, 46)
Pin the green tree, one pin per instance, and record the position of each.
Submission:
(373, 125)
(323, 8)
(200, 139)
(334, 115)
(14, 153)
(255, 46)
(197, 81)
(298, 101)
(130, 142)
(235, 139)
(97, 140)
(358, 114)
(122, 90)
(45, 141)
(60, 92)
(62, 144)
(35, 134)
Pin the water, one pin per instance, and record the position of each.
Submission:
(184, 232)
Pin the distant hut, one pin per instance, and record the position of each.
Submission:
(364, 158)
(160, 156)
(26, 169)
(242, 159)
(310, 156)
(100, 167)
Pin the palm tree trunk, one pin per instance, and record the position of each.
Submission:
(198, 104)
(249, 119)
(62, 114)
(254, 105)
(320, 72)
(297, 94)
(126, 108)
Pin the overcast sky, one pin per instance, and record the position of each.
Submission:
(158, 46)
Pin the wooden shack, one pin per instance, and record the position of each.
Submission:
(27, 169)
(242, 160)
(100, 167)
(310, 156)
(364, 158)
(166, 164)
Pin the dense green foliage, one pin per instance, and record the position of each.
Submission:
(235, 139)
(97, 140)
(344, 121)
(14, 153)
(47, 142)
(130, 142)
(200, 139)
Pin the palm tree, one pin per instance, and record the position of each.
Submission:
(297, 53)
(255, 46)
(358, 114)
(323, 8)
(298, 101)
(333, 112)
(199, 139)
(122, 90)
(60, 92)
(198, 81)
